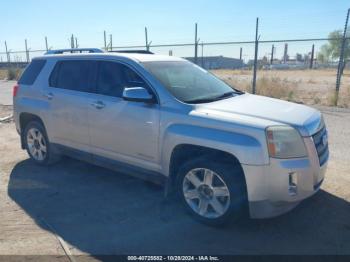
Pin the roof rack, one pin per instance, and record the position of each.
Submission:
(132, 51)
(74, 50)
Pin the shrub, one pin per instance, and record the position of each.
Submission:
(13, 73)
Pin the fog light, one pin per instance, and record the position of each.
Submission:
(292, 188)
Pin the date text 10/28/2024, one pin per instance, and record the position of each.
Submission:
(173, 258)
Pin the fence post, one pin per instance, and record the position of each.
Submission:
(105, 39)
(202, 59)
(47, 46)
(111, 42)
(312, 56)
(285, 54)
(195, 45)
(27, 51)
(240, 56)
(272, 51)
(7, 54)
(341, 58)
(255, 55)
(146, 39)
(72, 41)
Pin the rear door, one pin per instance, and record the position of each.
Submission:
(69, 96)
(123, 130)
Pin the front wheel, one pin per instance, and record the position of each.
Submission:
(212, 192)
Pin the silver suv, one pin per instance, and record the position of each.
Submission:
(165, 119)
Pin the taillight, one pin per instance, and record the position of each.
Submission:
(15, 90)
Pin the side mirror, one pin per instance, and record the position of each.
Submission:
(137, 94)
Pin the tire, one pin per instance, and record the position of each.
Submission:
(37, 144)
(216, 202)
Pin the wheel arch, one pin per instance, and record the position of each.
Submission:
(183, 152)
(24, 120)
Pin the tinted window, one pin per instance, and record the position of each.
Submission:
(32, 72)
(113, 77)
(54, 75)
(73, 75)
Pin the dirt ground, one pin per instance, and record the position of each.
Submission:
(76, 208)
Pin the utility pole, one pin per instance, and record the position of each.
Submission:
(111, 42)
(27, 52)
(312, 56)
(47, 46)
(195, 45)
(105, 39)
(272, 51)
(341, 59)
(255, 55)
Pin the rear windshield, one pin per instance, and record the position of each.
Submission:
(32, 71)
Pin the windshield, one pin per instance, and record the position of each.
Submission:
(189, 83)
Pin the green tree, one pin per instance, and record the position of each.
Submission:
(331, 50)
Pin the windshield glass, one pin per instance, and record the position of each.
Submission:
(189, 83)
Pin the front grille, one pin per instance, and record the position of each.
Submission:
(322, 150)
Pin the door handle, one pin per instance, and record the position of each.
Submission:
(98, 104)
(49, 96)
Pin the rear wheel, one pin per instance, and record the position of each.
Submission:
(212, 192)
(38, 145)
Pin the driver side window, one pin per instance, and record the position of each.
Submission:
(113, 77)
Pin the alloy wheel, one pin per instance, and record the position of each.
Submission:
(206, 193)
(36, 144)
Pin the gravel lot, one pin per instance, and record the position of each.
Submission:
(6, 92)
(76, 208)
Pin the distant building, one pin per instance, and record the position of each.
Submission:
(217, 62)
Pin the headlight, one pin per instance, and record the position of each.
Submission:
(285, 142)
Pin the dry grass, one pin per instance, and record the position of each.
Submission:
(344, 95)
(274, 87)
(10, 74)
(302, 86)
(3, 74)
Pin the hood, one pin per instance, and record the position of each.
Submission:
(306, 119)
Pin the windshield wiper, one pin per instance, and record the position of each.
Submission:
(212, 99)
(199, 100)
(225, 95)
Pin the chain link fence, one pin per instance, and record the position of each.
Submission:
(290, 69)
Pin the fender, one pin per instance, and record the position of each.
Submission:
(247, 149)
(32, 106)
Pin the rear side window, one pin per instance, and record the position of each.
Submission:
(32, 71)
(113, 77)
(72, 75)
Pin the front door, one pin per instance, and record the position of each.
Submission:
(123, 130)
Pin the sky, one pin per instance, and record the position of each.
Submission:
(169, 22)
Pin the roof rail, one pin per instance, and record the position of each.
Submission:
(74, 50)
(132, 51)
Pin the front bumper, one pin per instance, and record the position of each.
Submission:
(269, 186)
